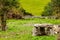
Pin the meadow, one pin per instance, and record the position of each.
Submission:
(36, 7)
(22, 29)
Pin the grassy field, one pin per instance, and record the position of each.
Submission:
(22, 29)
(34, 6)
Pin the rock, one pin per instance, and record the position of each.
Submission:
(44, 29)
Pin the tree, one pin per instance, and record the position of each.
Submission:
(47, 10)
(52, 9)
(56, 7)
(5, 6)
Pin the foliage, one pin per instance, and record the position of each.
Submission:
(47, 10)
(56, 2)
(56, 7)
(7, 5)
(52, 9)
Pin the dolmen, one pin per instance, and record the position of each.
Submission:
(44, 29)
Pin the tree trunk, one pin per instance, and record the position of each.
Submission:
(3, 22)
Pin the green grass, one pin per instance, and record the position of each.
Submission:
(34, 6)
(22, 29)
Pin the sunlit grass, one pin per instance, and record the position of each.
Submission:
(34, 6)
(22, 29)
